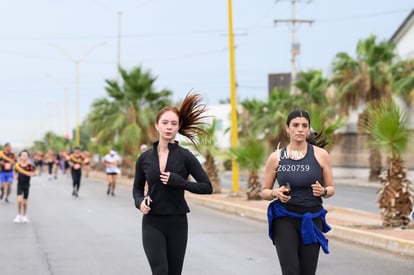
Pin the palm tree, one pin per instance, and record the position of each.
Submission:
(364, 79)
(267, 118)
(388, 127)
(209, 150)
(127, 116)
(250, 155)
(403, 85)
(321, 107)
(50, 141)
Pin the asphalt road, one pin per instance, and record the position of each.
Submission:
(97, 234)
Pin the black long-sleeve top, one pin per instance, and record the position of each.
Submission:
(168, 199)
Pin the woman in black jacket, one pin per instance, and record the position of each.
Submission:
(166, 168)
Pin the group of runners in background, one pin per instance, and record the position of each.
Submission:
(53, 162)
(23, 166)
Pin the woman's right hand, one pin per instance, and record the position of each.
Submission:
(282, 194)
(145, 209)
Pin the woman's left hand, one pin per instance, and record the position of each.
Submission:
(165, 177)
(317, 189)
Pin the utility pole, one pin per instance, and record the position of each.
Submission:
(295, 45)
(234, 135)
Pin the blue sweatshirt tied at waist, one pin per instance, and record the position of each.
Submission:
(310, 232)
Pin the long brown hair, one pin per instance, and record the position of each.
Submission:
(191, 116)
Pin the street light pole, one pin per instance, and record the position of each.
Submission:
(65, 89)
(118, 63)
(77, 63)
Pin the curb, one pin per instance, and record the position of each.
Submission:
(395, 245)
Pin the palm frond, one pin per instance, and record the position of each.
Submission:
(388, 127)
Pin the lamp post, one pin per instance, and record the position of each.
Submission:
(65, 89)
(77, 62)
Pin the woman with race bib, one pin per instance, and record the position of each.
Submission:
(296, 215)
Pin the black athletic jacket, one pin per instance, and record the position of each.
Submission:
(169, 199)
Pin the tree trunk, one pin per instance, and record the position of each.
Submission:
(254, 188)
(374, 165)
(212, 173)
(395, 199)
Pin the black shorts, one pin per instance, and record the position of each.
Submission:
(112, 174)
(23, 190)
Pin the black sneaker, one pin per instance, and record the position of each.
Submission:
(113, 194)
(108, 192)
(2, 193)
(73, 193)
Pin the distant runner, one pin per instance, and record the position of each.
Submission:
(7, 160)
(112, 160)
(24, 170)
(76, 161)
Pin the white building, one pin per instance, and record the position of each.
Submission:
(403, 38)
(221, 113)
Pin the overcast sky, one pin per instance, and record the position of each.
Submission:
(182, 42)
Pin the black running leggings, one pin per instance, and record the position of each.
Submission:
(76, 177)
(165, 241)
(50, 167)
(294, 257)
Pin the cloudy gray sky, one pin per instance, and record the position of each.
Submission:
(182, 42)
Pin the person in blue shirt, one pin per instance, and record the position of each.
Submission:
(296, 216)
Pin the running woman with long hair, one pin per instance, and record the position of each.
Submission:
(166, 166)
(24, 171)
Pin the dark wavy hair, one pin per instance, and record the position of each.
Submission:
(191, 116)
(314, 138)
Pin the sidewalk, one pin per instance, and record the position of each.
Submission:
(347, 224)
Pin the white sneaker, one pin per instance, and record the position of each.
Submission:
(18, 219)
(25, 219)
